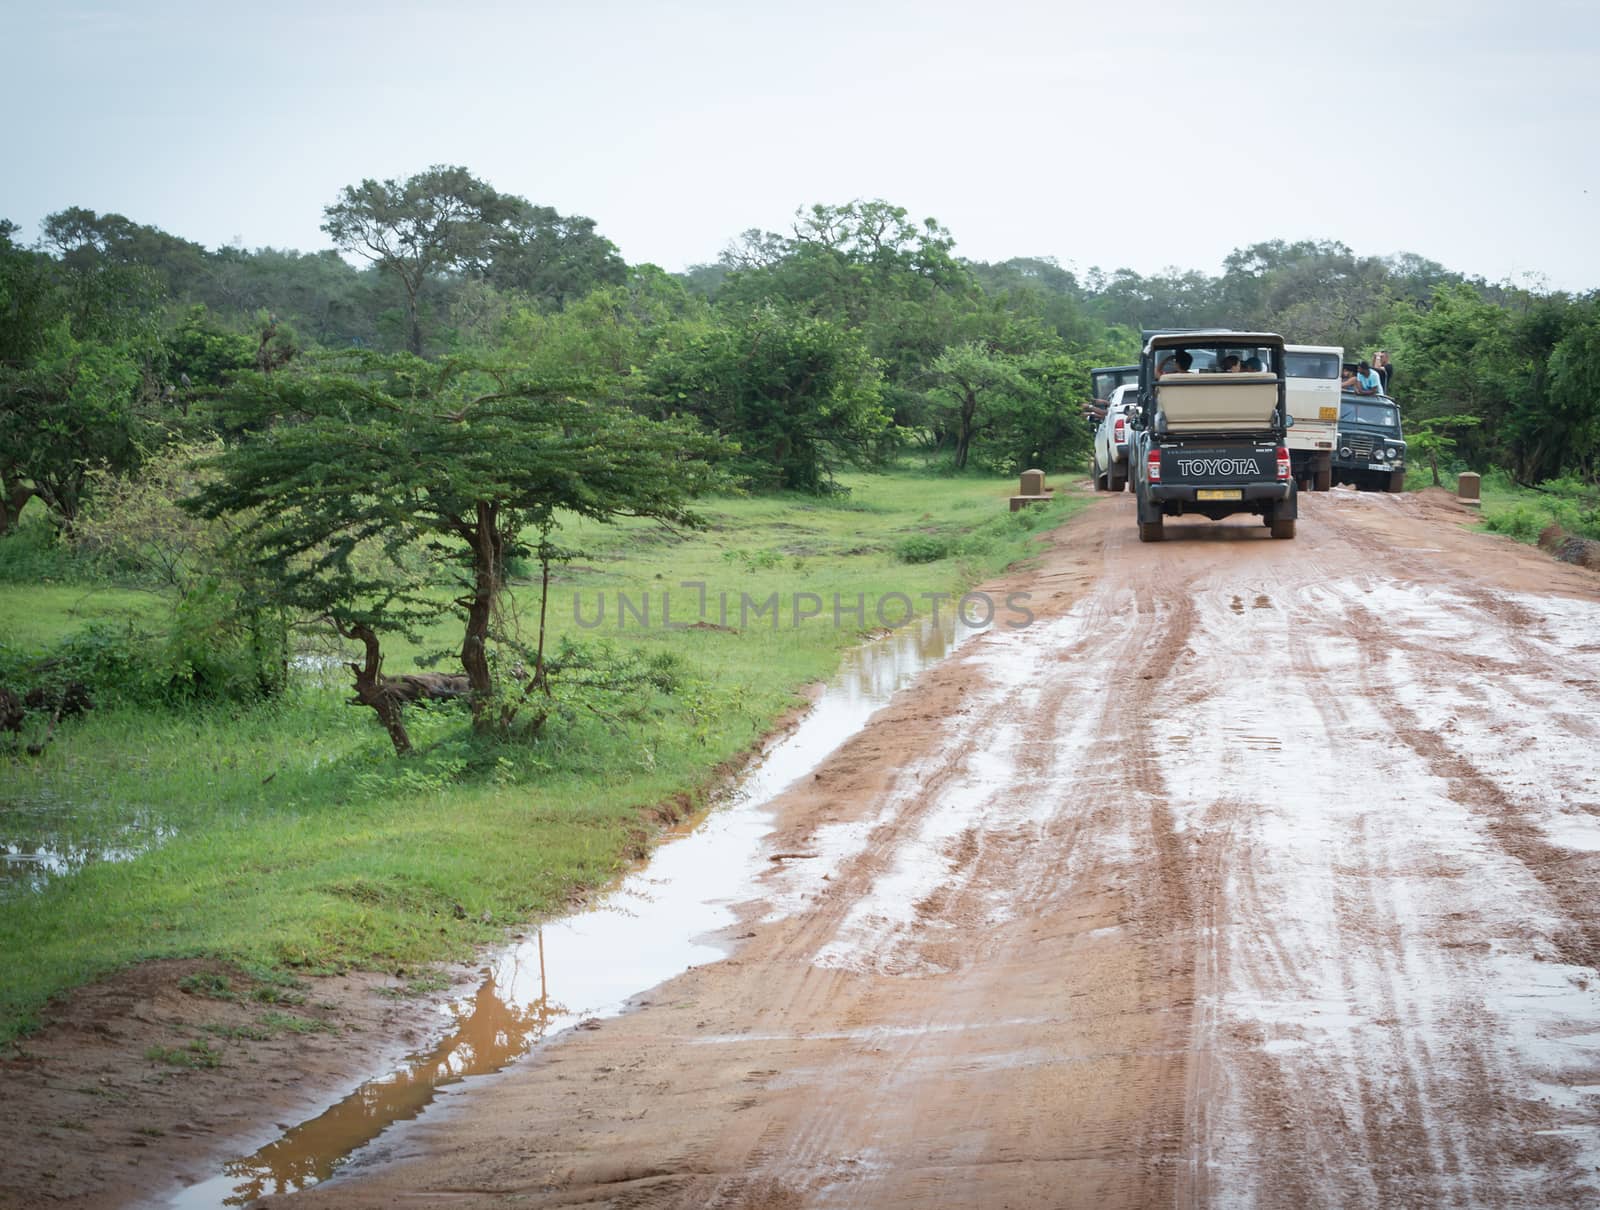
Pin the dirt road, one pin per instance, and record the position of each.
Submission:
(1253, 872)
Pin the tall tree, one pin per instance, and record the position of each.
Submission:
(552, 258)
(438, 221)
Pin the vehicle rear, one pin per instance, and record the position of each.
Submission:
(1311, 391)
(1210, 440)
(1103, 383)
(1111, 438)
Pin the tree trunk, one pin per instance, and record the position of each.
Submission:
(13, 495)
(371, 691)
(969, 407)
(486, 547)
(413, 319)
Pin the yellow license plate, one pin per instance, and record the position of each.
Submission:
(1214, 494)
(1327, 413)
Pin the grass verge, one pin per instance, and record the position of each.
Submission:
(287, 838)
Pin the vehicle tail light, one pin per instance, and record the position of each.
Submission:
(1119, 431)
(1153, 466)
(1283, 464)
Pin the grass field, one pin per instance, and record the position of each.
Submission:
(287, 835)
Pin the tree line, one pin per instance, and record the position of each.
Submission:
(467, 365)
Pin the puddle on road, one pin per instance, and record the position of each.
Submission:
(659, 922)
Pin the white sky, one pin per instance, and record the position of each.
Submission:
(1144, 135)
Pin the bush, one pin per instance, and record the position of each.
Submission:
(212, 652)
(1522, 522)
(35, 553)
(922, 548)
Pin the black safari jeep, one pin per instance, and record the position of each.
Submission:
(1210, 430)
(1370, 452)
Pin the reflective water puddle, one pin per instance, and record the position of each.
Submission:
(659, 922)
(42, 839)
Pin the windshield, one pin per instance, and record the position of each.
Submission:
(1104, 382)
(1310, 365)
(1369, 413)
(1216, 358)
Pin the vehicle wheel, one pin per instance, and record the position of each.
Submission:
(1150, 531)
(1094, 473)
(1114, 481)
(1397, 481)
(1283, 529)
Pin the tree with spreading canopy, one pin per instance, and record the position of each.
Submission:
(446, 221)
(356, 463)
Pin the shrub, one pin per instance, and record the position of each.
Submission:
(922, 548)
(1522, 522)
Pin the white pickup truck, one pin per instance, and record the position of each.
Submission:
(1311, 382)
(1111, 440)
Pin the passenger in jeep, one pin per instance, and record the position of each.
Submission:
(1178, 363)
(1367, 381)
(1230, 364)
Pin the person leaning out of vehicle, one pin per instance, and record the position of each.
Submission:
(1367, 381)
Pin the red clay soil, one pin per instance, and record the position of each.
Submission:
(1116, 928)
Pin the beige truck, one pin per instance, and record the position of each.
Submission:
(1311, 385)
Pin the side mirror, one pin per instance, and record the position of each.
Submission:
(1288, 422)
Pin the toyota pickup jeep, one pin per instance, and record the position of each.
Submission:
(1371, 453)
(1209, 430)
(1110, 456)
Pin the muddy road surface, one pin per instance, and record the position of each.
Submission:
(1251, 872)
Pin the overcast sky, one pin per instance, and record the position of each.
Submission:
(1144, 135)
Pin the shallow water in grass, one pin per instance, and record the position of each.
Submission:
(42, 837)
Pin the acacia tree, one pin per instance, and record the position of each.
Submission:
(416, 229)
(446, 220)
(357, 461)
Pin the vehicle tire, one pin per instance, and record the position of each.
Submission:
(1094, 473)
(1150, 531)
(1114, 481)
(1324, 480)
(1397, 481)
(1284, 528)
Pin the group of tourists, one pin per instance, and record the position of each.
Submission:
(1369, 377)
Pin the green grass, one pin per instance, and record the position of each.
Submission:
(288, 838)
(1521, 512)
(33, 616)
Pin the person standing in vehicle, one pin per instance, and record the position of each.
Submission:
(1381, 364)
(1368, 381)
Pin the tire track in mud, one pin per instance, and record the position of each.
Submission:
(1030, 863)
(1567, 876)
(1412, 1135)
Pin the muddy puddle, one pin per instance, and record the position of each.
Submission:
(661, 920)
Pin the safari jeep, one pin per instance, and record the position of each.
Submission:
(1210, 431)
(1371, 453)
